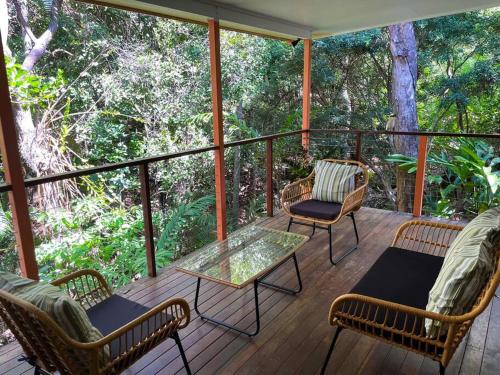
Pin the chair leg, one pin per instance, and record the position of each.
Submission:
(442, 369)
(339, 258)
(289, 224)
(177, 339)
(330, 351)
(314, 230)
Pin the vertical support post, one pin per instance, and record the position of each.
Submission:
(420, 178)
(269, 177)
(306, 93)
(216, 85)
(359, 139)
(14, 176)
(148, 219)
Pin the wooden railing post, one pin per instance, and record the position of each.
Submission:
(13, 171)
(306, 93)
(359, 139)
(269, 177)
(216, 85)
(148, 218)
(420, 177)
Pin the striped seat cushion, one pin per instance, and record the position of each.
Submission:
(67, 313)
(468, 264)
(333, 181)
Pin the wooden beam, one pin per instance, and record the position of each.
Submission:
(306, 93)
(420, 178)
(14, 176)
(216, 85)
(359, 140)
(148, 219)
(269, 178)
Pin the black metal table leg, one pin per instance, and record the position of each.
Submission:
(256, 298)
(220, 322)
(281, 288)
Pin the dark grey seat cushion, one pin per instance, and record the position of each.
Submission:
(316, 209)
(401, 276)
(404, 277)
(115, 312)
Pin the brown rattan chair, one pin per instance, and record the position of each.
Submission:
(50, 349)
(296, 201)
(403, 324)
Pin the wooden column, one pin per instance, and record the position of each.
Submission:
(14, 176)
(359, 140)
(269, 178)
(306, 93)
(148, 219)
(215, 79)
(420, 178)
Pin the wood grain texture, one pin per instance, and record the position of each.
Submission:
(295, 333)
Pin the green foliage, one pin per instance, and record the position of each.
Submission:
(184, 217)
(99, 234)
(469, 179)
(33, 90)
(8, 254)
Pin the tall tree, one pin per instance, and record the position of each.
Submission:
(403, 48)
(34, 139)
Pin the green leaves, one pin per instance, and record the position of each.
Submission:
(408, 163)
(471, 173)
(179, 219)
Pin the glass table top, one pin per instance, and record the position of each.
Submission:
(244, 256)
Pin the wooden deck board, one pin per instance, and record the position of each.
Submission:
(295, 334)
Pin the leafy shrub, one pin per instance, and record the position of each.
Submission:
(466, 174)
(102, 235)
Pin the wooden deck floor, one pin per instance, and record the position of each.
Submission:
(295, 334)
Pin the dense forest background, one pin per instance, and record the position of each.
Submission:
(94, 85)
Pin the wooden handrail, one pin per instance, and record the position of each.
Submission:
(263, 138)
(390, 132)
(30, 182)
(113, 166)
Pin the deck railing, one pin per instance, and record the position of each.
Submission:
(356, 152)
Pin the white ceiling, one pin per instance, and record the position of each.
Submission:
(293, 19)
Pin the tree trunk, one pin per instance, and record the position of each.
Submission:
(39, 155)
(403, 48)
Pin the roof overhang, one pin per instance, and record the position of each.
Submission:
(292, 19)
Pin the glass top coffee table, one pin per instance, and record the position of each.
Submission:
(247, 256)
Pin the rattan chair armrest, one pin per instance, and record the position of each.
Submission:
(295, 191)
(353, 200)
(336, 309)
(426, 236)
(88, 287)
(82, 273)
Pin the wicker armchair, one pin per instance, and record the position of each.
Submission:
(404, 325)
(320, 213)
(50, 349)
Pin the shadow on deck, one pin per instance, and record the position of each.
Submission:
(295, 334)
